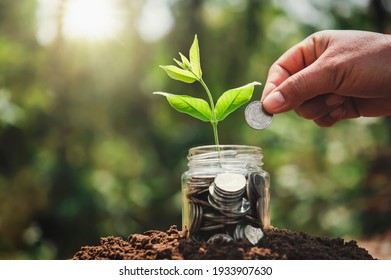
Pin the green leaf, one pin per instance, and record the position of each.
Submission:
(179, 74)
(232, 99)
(180, 63)
(194, 56)
(185, 62)
(195, 107)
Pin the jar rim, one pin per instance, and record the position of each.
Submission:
(218, 148)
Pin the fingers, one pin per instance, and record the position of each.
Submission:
(292, 61)
(327, 109)
(297, 76)
(332, 118)
(320, 106)
(297, 89)
(332, 111)
(374, 107)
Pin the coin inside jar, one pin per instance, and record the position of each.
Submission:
(222, 236)
(196, 215)
(253, 234)
(230, 182)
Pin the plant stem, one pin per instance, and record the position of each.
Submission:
(213, 121)
(215, 134)
(212, 104)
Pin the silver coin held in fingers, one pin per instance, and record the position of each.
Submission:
(256, 116)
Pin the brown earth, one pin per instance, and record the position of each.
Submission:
(172, 244)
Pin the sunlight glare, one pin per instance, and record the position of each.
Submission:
(155, 20)
(91, 19)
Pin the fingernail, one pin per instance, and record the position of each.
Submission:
(274, 101)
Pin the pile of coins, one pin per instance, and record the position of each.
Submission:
(228, 206)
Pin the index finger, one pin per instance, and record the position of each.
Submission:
(292, 61)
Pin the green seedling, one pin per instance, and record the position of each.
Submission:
(189, 71)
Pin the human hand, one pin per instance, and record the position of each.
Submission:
(331, 76)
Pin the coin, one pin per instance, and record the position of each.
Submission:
(230, 182)
(256, 117)
(238, 233)
(229, 211)
(221, 236)
(211, 227)
(217, 217)
(253, 234)
(258, 184)
(253, 220)
(262, 211)
(250, 190)
(196, 217)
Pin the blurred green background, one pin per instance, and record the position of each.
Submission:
(87, 151)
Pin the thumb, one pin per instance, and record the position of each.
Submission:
(304, 85)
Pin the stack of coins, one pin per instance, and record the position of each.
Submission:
(226, 194)
(228, 206)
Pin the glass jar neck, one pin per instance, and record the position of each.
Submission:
(237, 158)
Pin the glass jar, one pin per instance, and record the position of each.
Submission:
(225, 193)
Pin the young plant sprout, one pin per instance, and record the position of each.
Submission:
(189, 71)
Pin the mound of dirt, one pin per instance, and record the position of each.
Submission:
(277, 244)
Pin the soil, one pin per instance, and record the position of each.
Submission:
(277, 244)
